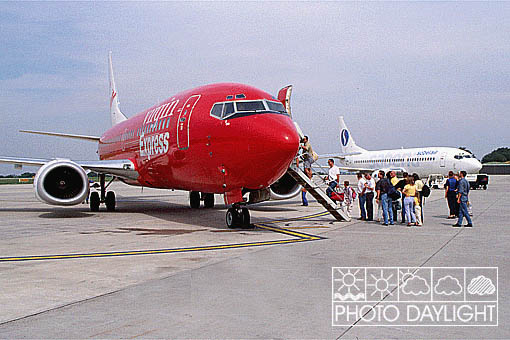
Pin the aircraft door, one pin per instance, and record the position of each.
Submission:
(442, 160)
(183, 125)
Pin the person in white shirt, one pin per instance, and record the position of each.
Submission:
(333, 177)
(361, 196)
(369, 196)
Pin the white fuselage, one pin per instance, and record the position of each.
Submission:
(423, 161)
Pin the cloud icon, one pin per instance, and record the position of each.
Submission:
(481, 285)
(448, 285)
(416, 285)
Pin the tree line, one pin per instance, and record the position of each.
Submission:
(498, 155)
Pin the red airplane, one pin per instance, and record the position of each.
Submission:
(227, 138)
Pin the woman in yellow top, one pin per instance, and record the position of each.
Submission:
(409, 193)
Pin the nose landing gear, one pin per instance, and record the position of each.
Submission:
(238, 217)
(195, 197)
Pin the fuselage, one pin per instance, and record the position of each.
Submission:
(423, 161)
(215, 138)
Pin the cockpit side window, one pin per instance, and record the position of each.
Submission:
(276, 106)
(217, 109)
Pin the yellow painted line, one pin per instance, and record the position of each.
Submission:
(300, 218)
(310, 227)
(300, 237)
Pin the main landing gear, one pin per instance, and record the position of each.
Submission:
(195, 197)
(238, 217)
(108, 198)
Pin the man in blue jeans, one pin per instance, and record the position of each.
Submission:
(382, 188)
(462, 199)
(361, 196)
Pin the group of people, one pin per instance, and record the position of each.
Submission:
(457, 194)
(391, 194)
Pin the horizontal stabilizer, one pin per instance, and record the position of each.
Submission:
(65, 135)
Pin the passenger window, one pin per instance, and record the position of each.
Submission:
(228, 109)
(217, 109)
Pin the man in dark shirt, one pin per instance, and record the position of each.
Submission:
(463, 199)
(382, 187)
(450, 193)
(400, 186)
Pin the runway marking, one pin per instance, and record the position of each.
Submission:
(299, 237)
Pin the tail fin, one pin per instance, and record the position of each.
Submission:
(116, 115)
(347, 143)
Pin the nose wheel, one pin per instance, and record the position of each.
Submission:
(195, 197)
(238, 217)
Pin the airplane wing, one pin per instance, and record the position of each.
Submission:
(123, 168)
(65, 135)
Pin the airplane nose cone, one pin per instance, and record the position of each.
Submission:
(274, 144)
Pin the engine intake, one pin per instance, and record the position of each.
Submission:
(61, 182)
(285, 188)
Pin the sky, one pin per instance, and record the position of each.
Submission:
(403, 74)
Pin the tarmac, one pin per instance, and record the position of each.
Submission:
(157, 269)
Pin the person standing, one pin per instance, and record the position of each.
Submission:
(349, 196)
(394, 181)
(450, 193)
(361, 196)
(369, 196)
(333, 177)
(382, 188)
(307, 154)
(419, 187)
(462, 199)
(400, 187)
(409, 193)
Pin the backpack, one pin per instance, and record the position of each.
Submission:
(392, 192)
(425, 191)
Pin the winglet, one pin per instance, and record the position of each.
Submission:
(116, 115)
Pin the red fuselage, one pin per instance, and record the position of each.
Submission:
(180, 144)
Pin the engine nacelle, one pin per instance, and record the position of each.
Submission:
(61, 182)
(285, 188)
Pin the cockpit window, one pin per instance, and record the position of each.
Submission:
(240, 96)
(228, 109)
(237, 109)
(276, 106)
(217, 110)
(458, 157)
(250, 106)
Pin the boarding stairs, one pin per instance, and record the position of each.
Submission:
(318, 191)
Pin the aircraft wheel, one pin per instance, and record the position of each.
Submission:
(110, 201)
(233, 218)
(209, 200)
(245, 218)
(194, 199)
(484, 187)
(94, 201)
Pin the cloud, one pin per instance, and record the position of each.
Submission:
(481, 285)
(448, 285)
(416, 285)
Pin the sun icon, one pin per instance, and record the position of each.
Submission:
(406, 275)
(348, 280)
(382, 285)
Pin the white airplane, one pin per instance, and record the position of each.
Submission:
(423, 161)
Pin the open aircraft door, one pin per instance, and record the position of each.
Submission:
(442, 160)
(183, 122)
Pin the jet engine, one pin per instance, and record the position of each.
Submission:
(61, 182)
(284, 188)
